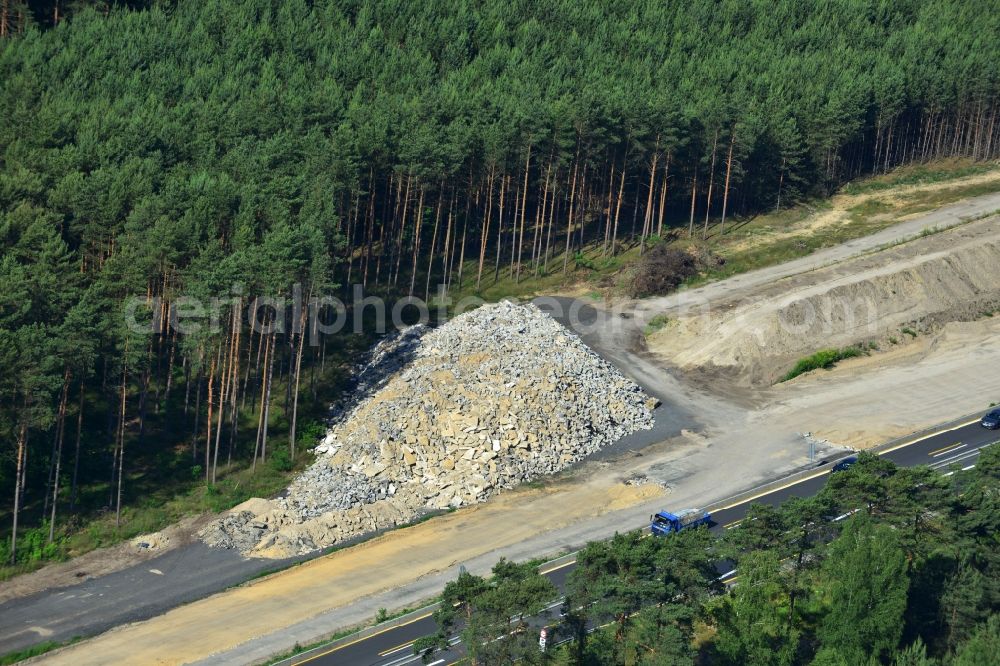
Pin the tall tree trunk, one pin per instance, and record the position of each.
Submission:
(607, 210)
(486, 227)
(298, 373)
(76, 454)
(187, 383)
(572, 210)
(618, 207)
(197, 414)
(552, 217)
(208, 418)
(711, 183)
(266, 343)
(663, 197)
(60, 431)
(170, 375)
(417, 226)
(447, 252)
(725, 194)
(694, 190)
(121, 439)
(536, 241)
(647, 220)
(267, 401)
(524, 207)
(513, 228)
(402, 231)
(504, 182)
(22, 437)
(434, 240)
(233, 384)
(581, 207)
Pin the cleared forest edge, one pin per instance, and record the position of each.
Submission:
(875, 302)
(526, 522)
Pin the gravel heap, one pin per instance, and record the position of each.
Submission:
(443, 418)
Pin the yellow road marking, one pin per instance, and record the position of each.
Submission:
(393, 649)
(933, 434)
(764, 493)
(365, 638)
(947, 448)
(732, 524)
(827, 471)
(561, 566)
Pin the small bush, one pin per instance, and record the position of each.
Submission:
(582, 261)
(661, 271)
(825, 358)
(281, 460)
(910, 332)
(311, 432)
(656, 323)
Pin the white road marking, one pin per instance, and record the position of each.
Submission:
(940, 464)
(950, 449)
(156, 571)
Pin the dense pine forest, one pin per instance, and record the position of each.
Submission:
(254, 148)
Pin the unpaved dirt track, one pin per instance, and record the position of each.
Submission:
(942, 218)
(714, 445)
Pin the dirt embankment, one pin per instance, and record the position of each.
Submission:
(877, 301)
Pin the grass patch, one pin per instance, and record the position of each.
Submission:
(656, 323)
(918, 174)
(823, 359)
(35, 650)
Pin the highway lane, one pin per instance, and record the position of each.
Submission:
(956, 448)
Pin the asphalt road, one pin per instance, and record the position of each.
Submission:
(139, 592)
(393, 646)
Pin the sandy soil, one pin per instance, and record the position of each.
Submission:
(868, 400)
(754, 335)
(225, 620)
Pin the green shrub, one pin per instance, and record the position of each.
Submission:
(311, 432)
(825, 358)
(281, 460)
(656, 323)
(582, 261)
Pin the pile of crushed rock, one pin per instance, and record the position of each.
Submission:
(442, 418)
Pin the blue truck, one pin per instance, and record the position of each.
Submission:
(664, 522)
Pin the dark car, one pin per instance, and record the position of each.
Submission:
(992, 420)
(845, 464)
